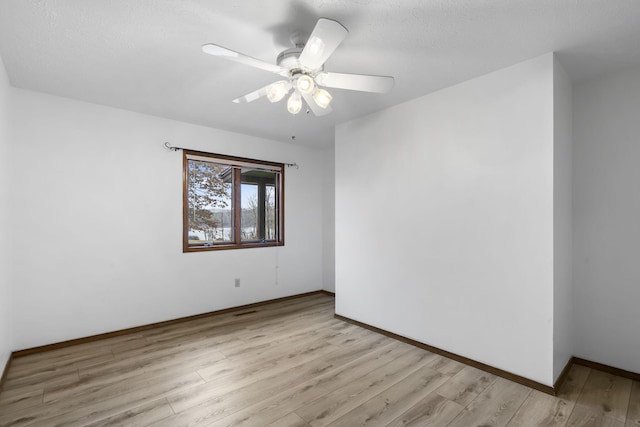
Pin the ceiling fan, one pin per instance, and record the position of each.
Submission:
(303, 70)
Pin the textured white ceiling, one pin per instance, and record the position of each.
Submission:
(145, 55)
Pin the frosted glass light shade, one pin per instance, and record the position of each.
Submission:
(294, 104)
(305, 84)
(277, 91)
(322, 98)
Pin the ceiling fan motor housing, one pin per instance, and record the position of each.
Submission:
(289, 58)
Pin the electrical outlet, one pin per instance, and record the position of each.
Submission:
(237, 283)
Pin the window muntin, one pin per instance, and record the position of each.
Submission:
(231, 202)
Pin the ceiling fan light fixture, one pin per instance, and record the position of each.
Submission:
(322, 98)
(294, 104)
(277, 91)
(303, 68)
(305, 84)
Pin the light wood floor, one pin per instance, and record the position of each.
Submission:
(289, 364)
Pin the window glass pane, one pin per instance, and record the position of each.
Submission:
(250, 212)
(209, 203)
(271, 225)
(258, 205)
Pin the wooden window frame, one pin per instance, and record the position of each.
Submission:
(236, 163)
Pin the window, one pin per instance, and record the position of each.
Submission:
(231, 202)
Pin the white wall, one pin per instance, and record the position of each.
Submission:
(6, 328)
(562, 220)
(99, 223)
(329, 223)
(444, 219)
(606, 219)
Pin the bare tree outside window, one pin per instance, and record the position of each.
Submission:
(208, 201)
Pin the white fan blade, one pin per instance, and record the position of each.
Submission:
(325, 38)
(250, 97)
(317, 110)
(362, 82)
(223, 52)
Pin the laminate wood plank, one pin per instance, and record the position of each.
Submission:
(208, 326)
(354, 337)
(586, 416)
(90, 408)
(136, 342)
(363, 361)
(494, 406)
(271, 316)
(446, 366)
(273, 343)
(266, 316)
(117, 368)
(243, 365)
(273, 408)
(156, 350)
(118, 342)
(633, 413)
(65, 355)
(466, 385)
(140, 416)
(200, 406)
(44, 375)
(69, 360)
(180, 357)
(290, 420)
(281, 404)
(190, 358)
(333, 405)
(574, 383)
(237, 374)
(266, 349)
(97, 343)
(432, 411)
(607, 394)
(540, 409)
(105, 386)
(305, 331)
(345, 328)
(20, 399)
(100, 409)
(393, 401)
(349, 337)
(294, 306)
(278, 340)
(42, 379)
(283, 329)
(242, 372)
(351, 362)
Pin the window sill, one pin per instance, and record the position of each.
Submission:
(221, 247)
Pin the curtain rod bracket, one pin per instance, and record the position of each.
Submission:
(170, 148)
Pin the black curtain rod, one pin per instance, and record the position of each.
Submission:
(171, 148)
